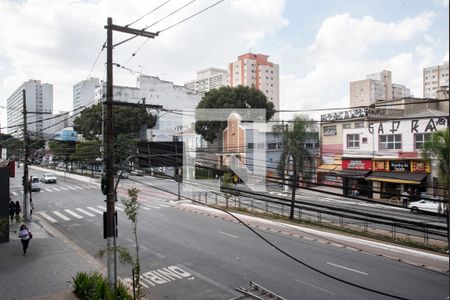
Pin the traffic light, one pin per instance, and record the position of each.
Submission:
(104, 185)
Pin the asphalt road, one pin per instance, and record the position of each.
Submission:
(190, 256)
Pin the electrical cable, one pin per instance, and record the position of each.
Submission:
(151, 11)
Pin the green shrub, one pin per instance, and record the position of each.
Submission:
(94, 286)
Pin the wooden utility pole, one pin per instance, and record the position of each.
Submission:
(25, 162)
(108, 138)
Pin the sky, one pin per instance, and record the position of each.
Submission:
(320, 45)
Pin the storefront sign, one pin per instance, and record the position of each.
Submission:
(420, 166)
(399, 166)
(381, 165)
(402, 166)
(357, 164)
(431, 125)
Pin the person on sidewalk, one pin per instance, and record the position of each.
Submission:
(31, 208)
(12, 210)
(25, 237)
(18, 210)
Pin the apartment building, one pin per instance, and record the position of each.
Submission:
(208, 79)
(84, 93)
(376, 87)
(255, 70)
(435, 79)
(39, 99)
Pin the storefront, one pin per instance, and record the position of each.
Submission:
(391, 177)
(353, 174)
(327, 174)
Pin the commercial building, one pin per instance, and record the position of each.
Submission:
(39, 99)
(379, 150)
(254, 70)
(208, 79)
(434, 79)
(376, 87)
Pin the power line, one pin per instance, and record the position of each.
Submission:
(151, 11)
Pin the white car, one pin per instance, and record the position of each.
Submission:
(48, 178)
(35, 184)
(426, 205)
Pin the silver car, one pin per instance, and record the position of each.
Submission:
(48, 178)
(35, 184)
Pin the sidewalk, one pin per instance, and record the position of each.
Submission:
(47, 269)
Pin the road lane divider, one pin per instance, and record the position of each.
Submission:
(346, 268)
(227, 234)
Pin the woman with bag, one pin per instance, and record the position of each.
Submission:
(25, 237)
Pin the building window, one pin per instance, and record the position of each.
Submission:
(347, 126)
(390, 142)
(420, 139)
(272, 146)
(250, 146)
(352, 140)
(359, 124)
(329, 130)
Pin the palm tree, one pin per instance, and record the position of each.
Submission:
(294, 153)
(436, 147)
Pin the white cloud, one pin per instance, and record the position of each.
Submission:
(344, 50)
(57, 41)
(443, 3)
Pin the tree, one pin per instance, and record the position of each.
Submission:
(294, 153)
(86, 152)
(240, 97)
(436, 148)
(62, 149)
(14, 146)
(126, 120)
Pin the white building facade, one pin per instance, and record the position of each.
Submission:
(84, 93)
(208, 79)
(434, 79)
(39, 99)
(254, 70)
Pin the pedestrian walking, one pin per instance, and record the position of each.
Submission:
(31, 208)
(18, 209)
(25, 237)
(12, 210)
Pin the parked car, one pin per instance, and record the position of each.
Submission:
(124, 174)
(426, 205)
(48, 178)
(35, 184)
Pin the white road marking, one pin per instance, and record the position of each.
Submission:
(161, 204)
(49, 190)
(101, 207)
(144, 207)
(72, 188)
(47, 217)
(313, 286)
(345, 268)
(119, 208)
(64, 189)
(79, 187)
(85, 212)
(21, 192)
(73, 214)
(227, 234)
(56, 189)
(61, 215)
(152, 206)
(96, 210)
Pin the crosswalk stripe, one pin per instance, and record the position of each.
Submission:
(56, 189)
(85, 212)
(119, 208)
(79, 187)
(49, 190)
(152, 206)
(72, 188)
(96, 210)
(161, 204)
(64, 189)
(73, 214)
(47, 217)
(61, 215)
(144, 207)
(101, 207)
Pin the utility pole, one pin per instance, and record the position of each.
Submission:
(110, 225)
(25, 163)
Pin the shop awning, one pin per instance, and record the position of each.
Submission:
(326, 168)
(353, 173)
(402, 178)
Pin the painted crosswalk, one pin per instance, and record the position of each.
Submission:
(54, 216)
(59, 188)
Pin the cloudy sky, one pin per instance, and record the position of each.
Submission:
(320, 45)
